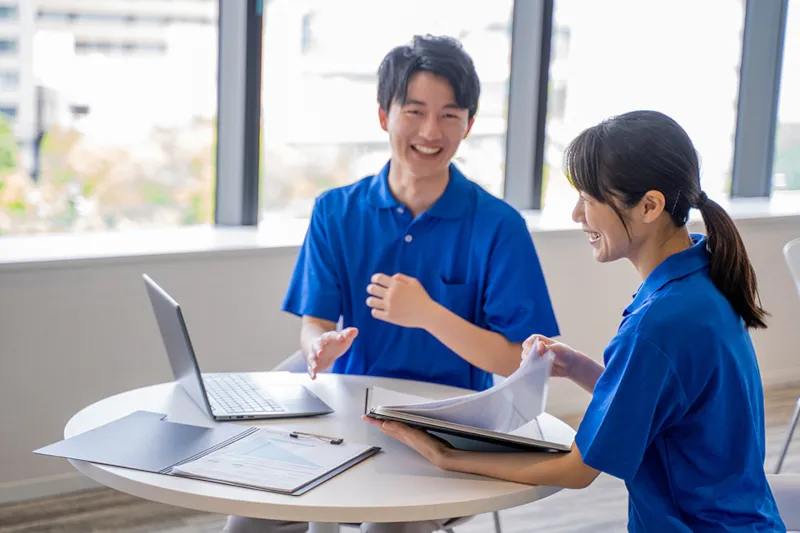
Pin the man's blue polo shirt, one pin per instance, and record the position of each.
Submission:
(678, 413)
(470, 251)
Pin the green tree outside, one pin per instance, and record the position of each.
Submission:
(8, 147)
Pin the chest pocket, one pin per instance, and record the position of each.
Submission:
(460, 298)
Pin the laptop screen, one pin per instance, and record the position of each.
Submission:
(177, 343)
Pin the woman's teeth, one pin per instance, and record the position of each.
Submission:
(593, 236)
(427, 150)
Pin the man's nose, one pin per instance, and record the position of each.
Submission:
(430, 129)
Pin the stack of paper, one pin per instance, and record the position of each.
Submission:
(272, 460)
(506, 410)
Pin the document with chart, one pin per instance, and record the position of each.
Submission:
(503, 415)
(274, 460)
(289, 462)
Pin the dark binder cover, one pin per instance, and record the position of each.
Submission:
(463, 437)
(145, 441)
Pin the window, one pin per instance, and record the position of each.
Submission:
(8, 46)
(9, 111)
(680, 57)
(117, 128)
(8, 12)
(117, 48)
(786, 165)
(51, 16)
(319, 88)
(9, 80)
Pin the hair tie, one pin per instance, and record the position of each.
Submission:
(675, 203)
(702, 200)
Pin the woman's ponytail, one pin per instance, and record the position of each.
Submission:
(730, 267)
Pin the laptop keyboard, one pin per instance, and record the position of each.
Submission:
(234, 393)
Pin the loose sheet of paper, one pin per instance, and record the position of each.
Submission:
(505, 408)
(272, 460)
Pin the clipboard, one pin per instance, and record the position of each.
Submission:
(145, 441)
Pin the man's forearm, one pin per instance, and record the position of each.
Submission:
(488, 350)
(311, 329)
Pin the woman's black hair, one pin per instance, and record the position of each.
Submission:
(619, 160)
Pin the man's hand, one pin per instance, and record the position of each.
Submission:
(327, 348)
(399, 300)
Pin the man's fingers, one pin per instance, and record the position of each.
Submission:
(380, 314)
(377, 290)
(403, 278)
(348, 334)
(376, 303)
(381, 279)
(311, 365)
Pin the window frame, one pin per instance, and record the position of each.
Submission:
(238, 140)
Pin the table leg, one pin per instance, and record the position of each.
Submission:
(323, 527)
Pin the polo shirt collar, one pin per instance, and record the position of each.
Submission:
(674, 267)
(451, 204)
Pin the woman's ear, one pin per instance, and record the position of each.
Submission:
(651, 206)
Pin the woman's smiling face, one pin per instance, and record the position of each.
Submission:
(603, 227)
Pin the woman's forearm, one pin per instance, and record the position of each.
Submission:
(551, 469)
(586, 373)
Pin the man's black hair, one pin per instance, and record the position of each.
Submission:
(439, 55)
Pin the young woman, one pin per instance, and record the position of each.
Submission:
(677, 410)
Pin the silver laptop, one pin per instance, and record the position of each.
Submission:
(224, 396)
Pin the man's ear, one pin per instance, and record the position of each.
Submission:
(651, 206)
(383, 119)
(469, 127)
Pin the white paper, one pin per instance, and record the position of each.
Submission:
(505, 408)
(272, 460)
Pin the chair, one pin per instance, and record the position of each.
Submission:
(786, 490)
(297, 363)
(792, 254)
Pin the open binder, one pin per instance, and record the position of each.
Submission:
(502, 418)
(266, 459)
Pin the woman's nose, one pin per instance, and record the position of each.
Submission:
(577, 211)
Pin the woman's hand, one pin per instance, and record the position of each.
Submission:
(564, 359)
(434, 450)
(567, 363)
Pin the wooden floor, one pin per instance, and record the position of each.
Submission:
(602, 507)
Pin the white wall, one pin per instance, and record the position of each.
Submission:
(71, 335)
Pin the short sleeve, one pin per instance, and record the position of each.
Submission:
(637, 396)
(314, 289)
(516, 301)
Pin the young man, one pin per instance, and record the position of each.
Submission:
(434, 278)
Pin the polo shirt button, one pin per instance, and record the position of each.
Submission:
(401, 210)
(409, 238)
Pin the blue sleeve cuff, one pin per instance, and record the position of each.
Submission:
(318, 308)
(601, 462)
(520, 332)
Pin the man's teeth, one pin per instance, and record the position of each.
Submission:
(593, 236)
(427, 150)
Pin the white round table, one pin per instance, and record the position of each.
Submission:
(397, 485)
